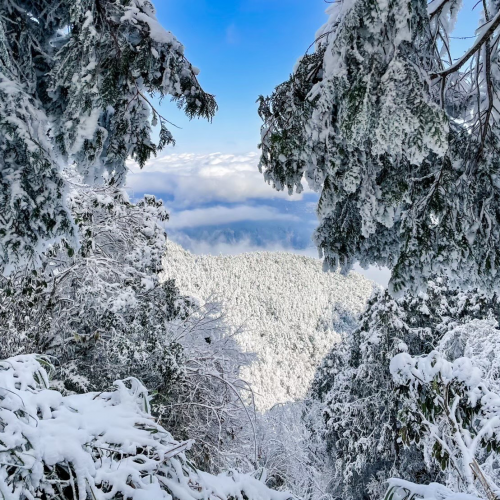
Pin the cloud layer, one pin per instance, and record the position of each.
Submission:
(244, 245)
(220, 204)
(218, 215)
(195, 179)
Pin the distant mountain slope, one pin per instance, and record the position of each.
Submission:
(288, 306)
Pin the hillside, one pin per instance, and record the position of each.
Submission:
(289, 309)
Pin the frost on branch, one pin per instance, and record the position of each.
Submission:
(104, 296)
(451, 409)
(106, 71)
(399, 138)
(78, 83)
(97, 446)
(292, 449)
(399, 489)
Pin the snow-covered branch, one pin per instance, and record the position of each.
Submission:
(97, 446)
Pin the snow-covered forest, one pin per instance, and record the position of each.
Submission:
(131, 369)
(283, 308)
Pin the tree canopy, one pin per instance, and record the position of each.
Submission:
(400, 139)
(78, 83)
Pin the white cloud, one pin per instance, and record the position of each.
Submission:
(214, 216)
(195, 178)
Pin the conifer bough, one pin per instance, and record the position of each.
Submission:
(77, 83)
(400, 139)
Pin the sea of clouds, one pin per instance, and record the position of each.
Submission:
(220, 203)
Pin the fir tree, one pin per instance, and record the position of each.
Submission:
(77, 84)
(400, 139)
(364, 435)
(402, 142)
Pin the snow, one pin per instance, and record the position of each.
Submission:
(283, 306)
(405, 368)
(156, 31)
(433, 491)
(455, 405)
(99, 445)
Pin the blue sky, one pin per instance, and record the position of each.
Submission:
(218, 201)
(244, 48)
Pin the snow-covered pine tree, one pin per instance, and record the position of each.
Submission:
(400, 139)
(450, 409)
(361, 408)
(78, 79)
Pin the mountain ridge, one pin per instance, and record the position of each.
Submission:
(290, 311)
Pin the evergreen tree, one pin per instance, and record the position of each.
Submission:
(401, 140)
(450, 409)
(361, 407)
(77, 83)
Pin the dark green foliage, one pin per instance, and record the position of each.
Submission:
(403, 153)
